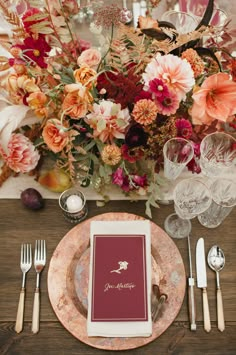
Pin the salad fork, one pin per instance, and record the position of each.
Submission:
(39, 263)
(25, 264)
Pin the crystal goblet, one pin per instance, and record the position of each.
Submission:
(191, 197)
(177, 154)
(218, 154)
(184, 22)
(223, 201)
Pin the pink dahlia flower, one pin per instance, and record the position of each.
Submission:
(108, 121)
(22, 156)
(173, 71)
(215, 100)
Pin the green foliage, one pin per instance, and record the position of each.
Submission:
(154, 194)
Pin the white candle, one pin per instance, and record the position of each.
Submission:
(136, 12)
(74, 203)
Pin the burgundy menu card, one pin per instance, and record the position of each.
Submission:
(119, 285)
(119, 281)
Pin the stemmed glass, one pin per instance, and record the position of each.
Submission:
(223, 201)
(184, 22)
(177, 153)
(191, 197)
(218, 154)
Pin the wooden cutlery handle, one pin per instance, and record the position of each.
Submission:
(36, 309)
(20, 311)
(206, 313)
(191, 304)
(220, 311)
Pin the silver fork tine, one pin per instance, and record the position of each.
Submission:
(25, 264)
(39, 263)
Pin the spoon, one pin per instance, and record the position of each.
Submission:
(216, 261)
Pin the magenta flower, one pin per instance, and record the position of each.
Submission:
(184, 128)
(118, 177)
(128, 182)
(140, 181)
(158, 89)
(169, 104)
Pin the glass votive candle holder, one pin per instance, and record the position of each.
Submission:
(73, 205)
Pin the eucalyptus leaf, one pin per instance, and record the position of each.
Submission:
(89, 146)
(148, 211)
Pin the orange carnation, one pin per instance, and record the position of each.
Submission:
(55, 135)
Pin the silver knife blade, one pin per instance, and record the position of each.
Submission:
(201, 264)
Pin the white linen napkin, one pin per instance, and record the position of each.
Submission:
(121, 328)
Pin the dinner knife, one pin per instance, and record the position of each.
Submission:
(202, 281)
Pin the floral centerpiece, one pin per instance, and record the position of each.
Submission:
(102, 117)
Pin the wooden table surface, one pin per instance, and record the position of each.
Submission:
(18, 225)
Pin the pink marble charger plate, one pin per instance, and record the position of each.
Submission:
(68, 282)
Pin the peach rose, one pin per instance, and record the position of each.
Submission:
(85, 76)
(74, 105)
(22, 156)
(90, 57)
(37, 102)
(55, 135)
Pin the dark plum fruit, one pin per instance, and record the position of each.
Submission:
(32, 199)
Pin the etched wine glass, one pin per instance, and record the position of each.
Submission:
(177, 154)
(218, 154)
(223, 193)
(184, 22)
(191, 197)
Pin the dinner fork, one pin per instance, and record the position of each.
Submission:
(25, 265)
(39, 263)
